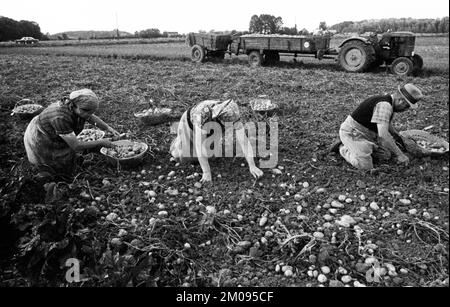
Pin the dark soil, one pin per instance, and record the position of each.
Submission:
(191, 246)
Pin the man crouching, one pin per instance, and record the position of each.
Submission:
(368, 132)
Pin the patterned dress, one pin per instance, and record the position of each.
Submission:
(45, 148)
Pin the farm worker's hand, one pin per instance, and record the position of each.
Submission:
(206, 177)
(114, 132)
(106, 143)
(403, 159)
(118, 137)
(256, 172)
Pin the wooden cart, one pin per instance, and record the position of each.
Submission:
(262, 49)
(208, 46)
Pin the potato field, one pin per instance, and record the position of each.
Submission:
(313, 220)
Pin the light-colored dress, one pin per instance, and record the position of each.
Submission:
(207, 111)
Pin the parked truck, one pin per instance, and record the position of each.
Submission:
(355, 54)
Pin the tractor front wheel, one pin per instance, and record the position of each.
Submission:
(402, 66)
(255, 58)
(198, 54)
(355, 56)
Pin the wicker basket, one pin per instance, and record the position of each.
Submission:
(132, 161)
(90, 135)
(415, 139)
(263, 106)
(154, 116)
(26, 109)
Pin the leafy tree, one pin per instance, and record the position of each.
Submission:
(265, 24)
(439, 25)
(150, 33)
(11, 29)
(255, 24)
(323, 26)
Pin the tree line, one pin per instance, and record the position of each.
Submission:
(11, 29)
(269, 24)
(439, 25)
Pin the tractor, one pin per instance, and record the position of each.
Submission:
(394, 49)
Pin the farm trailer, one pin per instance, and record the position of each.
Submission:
(356, 54)
(261, 49)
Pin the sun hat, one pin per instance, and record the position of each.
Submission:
(411, 93)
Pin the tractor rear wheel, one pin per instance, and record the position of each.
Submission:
(255, 58)
(198, 54)
(418, 62)
(355, 56)
(402, 66)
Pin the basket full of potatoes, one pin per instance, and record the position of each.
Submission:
(421, 143)
(26, 109)
(126, 153)
(88, 135)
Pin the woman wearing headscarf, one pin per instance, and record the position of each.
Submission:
(193, 127)
(51, 139)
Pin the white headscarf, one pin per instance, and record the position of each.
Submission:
(85, 98)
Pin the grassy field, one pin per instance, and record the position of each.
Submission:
(143, 247)
(434, 50)
(96, 42)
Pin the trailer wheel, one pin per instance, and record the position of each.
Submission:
(418, 62)
(355, 56)
(198, 54)
(255, 58)
(402, 66)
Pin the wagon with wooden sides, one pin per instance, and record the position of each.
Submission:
(261, 49)
(266, 49)
(204, 46)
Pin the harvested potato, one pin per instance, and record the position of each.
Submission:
(155, 111)
(27, 108)
(125, 151)
(89, 135)
(434, 147)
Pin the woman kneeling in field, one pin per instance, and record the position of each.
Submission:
(51, 137)
(194, 126)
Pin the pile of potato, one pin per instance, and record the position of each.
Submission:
(434, 147)
(155, 111)
(27, 108)
(125, 151)
(261, 104)
(89, 135)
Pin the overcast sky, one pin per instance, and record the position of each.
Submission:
(54, 16)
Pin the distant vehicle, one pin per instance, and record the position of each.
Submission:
(27, 40)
